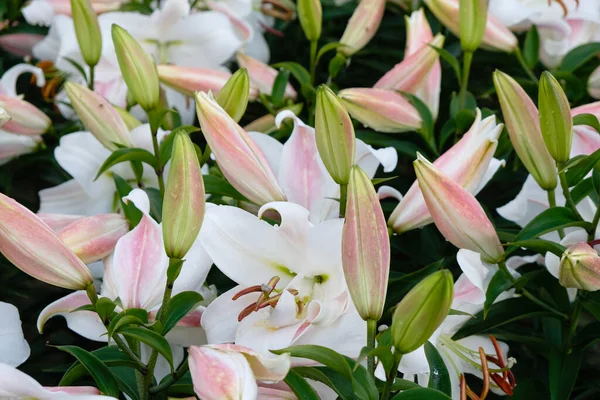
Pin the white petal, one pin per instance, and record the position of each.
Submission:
(38, 12)
(14, 349)
(472, 266)
(385, 192)
(8, 82)
(271, 147)
(70, 198)
(140, 200)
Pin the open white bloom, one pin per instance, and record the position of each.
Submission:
(291, 271)
(14, 349)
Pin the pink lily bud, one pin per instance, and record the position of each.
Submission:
(381, 110)
(456, 212)
(365, 247)
(262, 76)
(409, 74)
(418, 34)
(93, 238)
(99, 116)
(25, 118)
(188, 80)
(362, 26)
(496, 36)
(593, 84)
(467, 163)
(20, 44)
(32, 247)
(580, 268)
(229, 371)
(522, 123)
(243, 163)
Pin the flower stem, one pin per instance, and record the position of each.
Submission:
(371, 332)
(343, 197)
(313, 60)
(592, 232)
(92, 73)
(387, 389)
(567, 193)
(573, 324)
(552, 203)
(172, 379)
(464, 82)
(524, 65)
(156, 148)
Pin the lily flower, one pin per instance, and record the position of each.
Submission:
(14, 349)
(41, 12)
(291, 289)
(82, 155)
(263, 76)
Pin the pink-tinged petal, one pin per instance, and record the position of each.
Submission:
(262, 76)
(188, 80)
(14, 349)
(408, 74)
(467, 163)
(58, 221)
(466, 292)
(84, 323)
(16, 384)
(188, 331)
(585, 140)
(267, 393)
(456, 212)
(171, 11)
(241, 160)
(139, 265)
(26, 119)
(34, 248)
(365, 247)
(8, 82)
(266, 369)
(271, 147)
(221, 375)
(362, 26)
(13, 145)
(20, 44)
(242, 28)
(74, 390)
(302, 175)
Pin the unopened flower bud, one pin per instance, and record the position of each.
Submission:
(422, 311)
(87, 31)
(138, 69)
(362, 26)
(262, 76)
(556, 122)
(310, 14)
(183, 204)
(188, 80)
(334, 134)
(473, 18)
(25, 118)
(130, 121)
(233, 97)
(580, 268)
(98, 116)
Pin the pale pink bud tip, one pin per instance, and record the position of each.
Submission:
(580, 268)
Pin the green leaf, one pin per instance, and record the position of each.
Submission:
(591, 302)
(498, 285)
(322, 355)
(398, 287)
(403, 384)
(363, 382)
(131, 212)
(104, 307)
(450, 59)
(97, 369)
(330, 378)
(540, 246)
(578, 172)
(502, 313)
(179, 306)
(155, 202)
(327, 48)
(583, 189)
(166, 146)
(564, 369)
(427, 127)
(550, 220)
(458, 312)
(127, 154)
(579, 56)
(587, 336)
(109, 355)
(152, 339)
(279, 86)
(531, 47)
(122, 320)
(377, 181)
(219, 186)
(300, 387)
(439, 378)
(421, 394)
(299, 72)
(587, 119)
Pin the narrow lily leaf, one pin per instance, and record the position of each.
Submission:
(279, 86)
(109, 355)
(363, 382)
(219, 186)
(98, 370)
(299, 72)
(152, 339)
(576, 173)
(420, 394)
(120, 321)
(330, 378)
(104, 307)
(458, 312)
(579, 56)
(439, 378)
(322, 355)
(450, 59)
(166, 146)
(498, 285)
(531, 47)
(587, 119)
(549, 220)
(327, 48)
(131, 212)
(179, 306)
(127, 154)
(300, 387)
(540, 246)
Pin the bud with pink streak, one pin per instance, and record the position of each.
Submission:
(362, 26)
(580, 268)
(26, 119)
(262, 77)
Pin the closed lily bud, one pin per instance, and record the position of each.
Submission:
(243, 163)
(25, 118)
(522, 123)
(496, 36)
(130, 121)
(334, 134)
(188, 80)
(35, 249)
(362, 26)
(138, 69)
(98, 116)
(422, 311)
(556, 122)
(87, 31)
(183, 204)
(456, 213)
(473, 19)
(467, 163)
(4, 117)
(262, 76)
(580, 268)
(310, 14)
(93, 238)
(233, 97)
(365, 247)
(381, 110)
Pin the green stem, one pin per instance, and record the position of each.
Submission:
(313, 60)
(387, 389)
(158, 169)
(175, 376)
(343, 198)
(92, 73)
(592, 231)
(573, 323)
(371, 333)
(552, 203)
(567, 193)
(464, 81)
(527, 294)
(524, 65)
(125, 349)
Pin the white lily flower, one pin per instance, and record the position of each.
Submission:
(292, 271)
(42, 12)
(14, 349)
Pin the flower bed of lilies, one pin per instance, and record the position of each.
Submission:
(277, 199)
